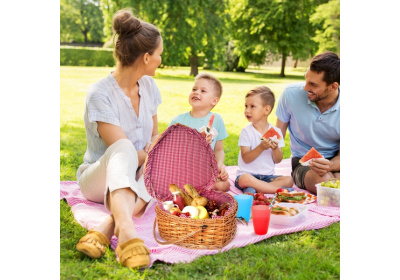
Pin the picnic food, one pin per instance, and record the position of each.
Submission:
(281, 190)
(186, 199)
(196, 198)
(312, 153)
(260, 199)
(175, 211)
(203, 214)
(328, 193)
(284, 211)
(210, 123)
(270, 134)
(331, 184)
(194, 212)
(292, 197)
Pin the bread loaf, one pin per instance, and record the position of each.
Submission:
(186, 199)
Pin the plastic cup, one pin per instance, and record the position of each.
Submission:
(261, 215)
(244, 206)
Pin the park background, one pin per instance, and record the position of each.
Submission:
(31, 95)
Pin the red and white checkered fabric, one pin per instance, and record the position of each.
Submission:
(180, 156)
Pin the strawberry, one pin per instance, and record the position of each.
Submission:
(261, 198)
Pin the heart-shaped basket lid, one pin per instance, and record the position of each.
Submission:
(180, 156)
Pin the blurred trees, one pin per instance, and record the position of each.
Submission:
(217, 34)
(81, 21)
(327, 21)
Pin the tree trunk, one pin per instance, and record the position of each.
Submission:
(194, 64)
(282, 74)
(295, 63)
(85, 36)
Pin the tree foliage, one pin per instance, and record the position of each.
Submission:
(279, 27)
(81, 21)
(327, 21)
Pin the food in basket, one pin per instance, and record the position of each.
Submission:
(203, 214)
(211, 206)
(197, 199)
(175, 211)
(187, 199)
(284, 211)
(293, 197)
(194, 212)
(312, 153)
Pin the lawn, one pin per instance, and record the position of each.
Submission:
(304, 255)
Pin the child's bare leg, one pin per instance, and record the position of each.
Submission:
(222, 186)
(283, 181)
(248, 180)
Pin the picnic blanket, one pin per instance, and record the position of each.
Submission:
(89, 214)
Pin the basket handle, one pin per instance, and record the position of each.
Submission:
(177, 241)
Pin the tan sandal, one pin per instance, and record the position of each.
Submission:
(93, 244)
(133, 253)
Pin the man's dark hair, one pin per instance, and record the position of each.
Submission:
(329, 63)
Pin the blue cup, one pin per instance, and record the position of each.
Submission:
(244, 205)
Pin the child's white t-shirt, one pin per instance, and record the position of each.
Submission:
(263, 164)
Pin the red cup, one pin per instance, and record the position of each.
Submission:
(261, 215)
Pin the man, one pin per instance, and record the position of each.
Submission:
(311, 111)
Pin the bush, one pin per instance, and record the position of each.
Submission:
(83, 56)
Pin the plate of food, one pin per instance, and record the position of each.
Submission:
(296, 197)
(288, 214)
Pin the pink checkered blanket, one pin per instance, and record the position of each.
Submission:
(89, 214)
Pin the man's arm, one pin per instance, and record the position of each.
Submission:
(282, 126)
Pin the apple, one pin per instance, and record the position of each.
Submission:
(175, 209)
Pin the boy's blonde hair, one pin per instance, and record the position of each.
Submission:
(267, 96)
(215, 82)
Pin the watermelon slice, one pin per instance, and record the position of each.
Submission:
(271, 133)
(312, 153)
(210, 123)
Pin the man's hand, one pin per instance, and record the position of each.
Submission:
(321, 166)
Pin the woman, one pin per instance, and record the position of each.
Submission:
(121, 122)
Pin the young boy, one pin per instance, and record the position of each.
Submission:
(257, 158)
(205, 94)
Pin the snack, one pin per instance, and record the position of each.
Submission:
(210, 123)
(203, 214)
(312, 153)
(331, 184)
(284, 211)
(197, 199)
(292, 197)
(187, 199)
(194, 212)
(271, 134)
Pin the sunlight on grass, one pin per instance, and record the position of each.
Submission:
(311, 254)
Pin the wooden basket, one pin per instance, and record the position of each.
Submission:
(181, 156)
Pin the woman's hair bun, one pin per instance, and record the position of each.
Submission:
(125, 24)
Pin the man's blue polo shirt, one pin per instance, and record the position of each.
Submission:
(307, 126)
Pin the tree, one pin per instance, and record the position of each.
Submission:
(190, 28)
(280, 27)
(81, 20)
(327, 21)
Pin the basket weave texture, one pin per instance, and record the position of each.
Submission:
(181, 155)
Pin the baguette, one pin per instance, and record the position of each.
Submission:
(186, 199)
(197, 199)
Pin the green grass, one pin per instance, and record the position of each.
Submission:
(303, 255)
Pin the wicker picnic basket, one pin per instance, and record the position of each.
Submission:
(181, 156)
